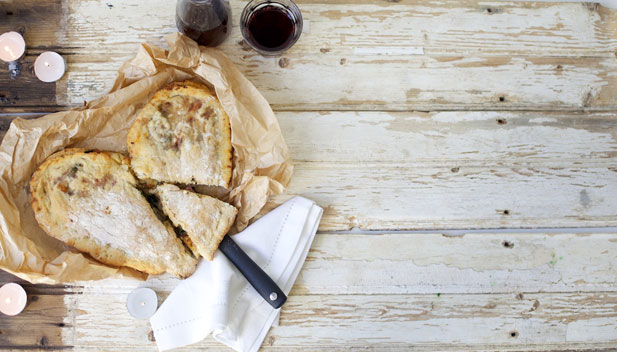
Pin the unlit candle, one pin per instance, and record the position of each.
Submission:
(142, 303)
(13, 299)
(12, 46)
(49, 66)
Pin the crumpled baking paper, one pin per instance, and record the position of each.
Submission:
(262, 166)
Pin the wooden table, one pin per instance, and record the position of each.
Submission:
(465, 153)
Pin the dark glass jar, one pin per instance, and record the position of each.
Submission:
(271, 26)
(208, 22)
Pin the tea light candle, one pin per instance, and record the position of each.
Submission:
(13, 299)
(49, 66)
(142, 303)
(12, 46)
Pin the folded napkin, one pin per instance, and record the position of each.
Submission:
(217, 299)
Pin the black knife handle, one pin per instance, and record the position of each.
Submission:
(262, 283)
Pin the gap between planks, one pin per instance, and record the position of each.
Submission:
(463, 232)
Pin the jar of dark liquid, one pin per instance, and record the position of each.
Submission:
(271, 26)
(208, 22)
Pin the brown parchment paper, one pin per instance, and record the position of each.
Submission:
(262, 165)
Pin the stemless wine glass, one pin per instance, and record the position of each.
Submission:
(208, 22)
(271, 26)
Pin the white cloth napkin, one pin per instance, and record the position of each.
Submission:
(217, 299)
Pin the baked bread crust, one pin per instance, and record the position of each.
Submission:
(206, 220)
(182, 135)
(89, 200)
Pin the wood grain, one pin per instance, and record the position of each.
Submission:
(411, 55)
(374, 196)
(422, 291)
(42, 25)
(45, 323)
(376, 170)
(519, 132)
(424, 322)
(453, 170)
(474, 263)
(395, 291)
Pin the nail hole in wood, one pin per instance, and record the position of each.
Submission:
(1, 332)
(507, 244)
(506, 212)
(34, 298)
(455, 169)
(520, 296)
(44, 341)
(61, 325)
(9, 13)
(514, 334)
(502, 121)
(324, 50)
(344, 60)
(489, 10)
(284, 62)
(502, 99)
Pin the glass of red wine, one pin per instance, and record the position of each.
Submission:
(271, 26)
(208, 22)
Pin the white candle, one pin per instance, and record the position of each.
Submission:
(49, 66)
(13, 299)
(12, 46)
(142, 303)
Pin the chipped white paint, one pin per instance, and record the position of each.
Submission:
(388, 50)
(384, 170)
(611, 4)
(459, 322)
(473, 263)
(409, 170)
(443, 55)
(399, 290)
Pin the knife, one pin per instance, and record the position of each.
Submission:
(262, 283)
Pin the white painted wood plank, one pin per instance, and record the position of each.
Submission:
(399, 263)
(453, 170)
(379, 170)
(473, 263)
(496, 322)
(399, 291)
(381, 196)
(453, 138)
(534, 56)
(341, 26)
(419, 83)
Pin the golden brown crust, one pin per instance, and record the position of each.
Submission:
(182, 135)
(89, 200)
(206, 220)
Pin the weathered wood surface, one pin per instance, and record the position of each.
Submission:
(520, 132)
(410, 170)
(42, 323)
(383, 170)
(399, 291)
(385, 55)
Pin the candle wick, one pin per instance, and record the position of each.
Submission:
(46, 63)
